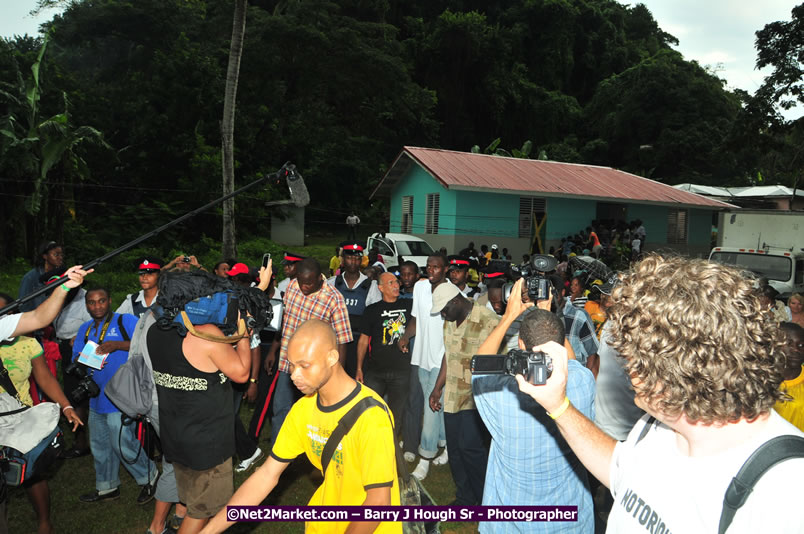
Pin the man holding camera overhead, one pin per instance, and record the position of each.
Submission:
(109, 440)
(529, 462)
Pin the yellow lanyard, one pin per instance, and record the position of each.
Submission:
(103, 332)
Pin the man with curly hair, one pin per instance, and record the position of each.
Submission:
(706, 363)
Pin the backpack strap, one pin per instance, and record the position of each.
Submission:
(345, 424)
(241, 331)
(122, 328)
(769, 454)
(645, 429)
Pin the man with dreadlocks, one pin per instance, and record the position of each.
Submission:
(192, 375)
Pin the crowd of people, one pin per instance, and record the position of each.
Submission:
(663, 379)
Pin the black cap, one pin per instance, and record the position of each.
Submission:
(47, 246)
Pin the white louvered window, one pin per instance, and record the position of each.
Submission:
(431, 218)
(528, 206)
(677, 227)
(407, 215)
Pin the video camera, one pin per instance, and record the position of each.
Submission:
(537, 285)
(86, 388)
(536, 367)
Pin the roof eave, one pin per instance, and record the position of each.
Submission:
(721, 205)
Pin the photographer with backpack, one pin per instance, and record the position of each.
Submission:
(194, 362)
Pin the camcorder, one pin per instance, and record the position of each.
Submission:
(536, 283)
(536, 367)
(86, 388)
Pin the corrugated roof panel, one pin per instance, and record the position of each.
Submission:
(463, 169)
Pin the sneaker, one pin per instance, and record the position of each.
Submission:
(248, 462)
(422, 469)
(409, 457)
(442, 458)
(98, 497)
(147, 492)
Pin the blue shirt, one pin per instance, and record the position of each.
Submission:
(30, 283)
(101, 404)
(580, 332)
(529, 462)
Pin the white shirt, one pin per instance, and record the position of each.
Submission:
(127, 307)
(429, 347)
(283, 286)
(374, 294)
(8, 323)
(653, 483)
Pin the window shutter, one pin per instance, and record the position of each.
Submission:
(407, 215)
(431, 221)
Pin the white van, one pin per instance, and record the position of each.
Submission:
(396, 248)
(784, 269)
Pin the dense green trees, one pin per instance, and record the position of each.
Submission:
(340, 87)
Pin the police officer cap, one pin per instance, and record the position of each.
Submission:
(292, 257)
(458, 262)
(352, 248)
(149, 264)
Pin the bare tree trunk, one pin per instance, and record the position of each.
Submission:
(227, 127)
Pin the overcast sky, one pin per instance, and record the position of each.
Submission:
(718, 33)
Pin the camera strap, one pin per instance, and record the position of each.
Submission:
(8, 385)
(103, 332)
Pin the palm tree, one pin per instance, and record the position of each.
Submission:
(227, 126)
(31, 148)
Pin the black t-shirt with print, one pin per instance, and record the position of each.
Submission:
(385, 322)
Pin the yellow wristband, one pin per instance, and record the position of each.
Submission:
(561, 409)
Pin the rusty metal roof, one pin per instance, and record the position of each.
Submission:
(481, 172)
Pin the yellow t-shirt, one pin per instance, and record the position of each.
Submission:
(17, 358)
(364, 459)
(793, 410)
(334, 263)
(363, 262)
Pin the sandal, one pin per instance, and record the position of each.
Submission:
(69, 454)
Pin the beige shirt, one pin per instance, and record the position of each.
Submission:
(461, 343)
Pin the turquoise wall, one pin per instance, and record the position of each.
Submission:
(568, 216)
(471, 213)
(418, 184)
(700, 229)
(490, 214)
(654, 219)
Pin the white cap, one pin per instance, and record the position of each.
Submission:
(444, 293)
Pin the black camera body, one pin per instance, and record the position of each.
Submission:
(86, 388)
(536, 367)
(536, 283)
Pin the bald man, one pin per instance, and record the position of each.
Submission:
(362, 471)
(387, 369)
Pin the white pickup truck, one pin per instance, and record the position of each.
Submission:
(768, 243)
(396, 248)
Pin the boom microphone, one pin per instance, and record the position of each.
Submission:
(298, 191)
(298, 194)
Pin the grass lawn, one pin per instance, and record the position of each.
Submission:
(71, 478)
